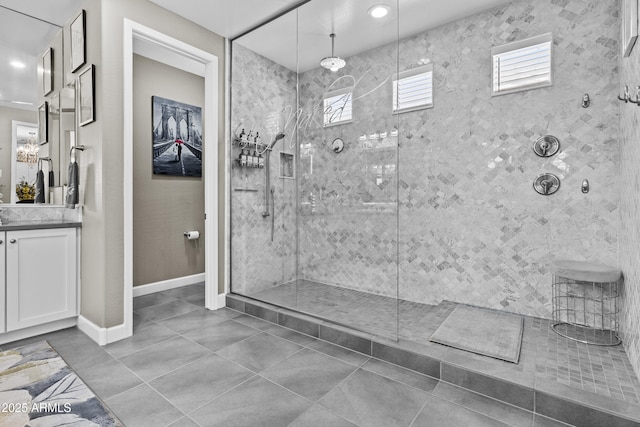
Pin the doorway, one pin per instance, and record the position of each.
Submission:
(147, 42)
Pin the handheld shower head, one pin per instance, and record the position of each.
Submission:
(276, 139)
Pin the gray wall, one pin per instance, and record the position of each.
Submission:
(629, 253)
(469, 226)
(102, 233)
(258, 262)
(163, 206)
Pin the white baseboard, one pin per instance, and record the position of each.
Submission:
(222, 300)
(102, 336)
(165, 285)
(33, 331)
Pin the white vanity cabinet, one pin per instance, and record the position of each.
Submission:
(40, 276)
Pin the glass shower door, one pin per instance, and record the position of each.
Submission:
(348, 151)
(263, 232)
(316, 229)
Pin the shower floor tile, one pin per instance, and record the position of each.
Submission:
(545, 354)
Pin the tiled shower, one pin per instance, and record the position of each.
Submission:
(437, 204)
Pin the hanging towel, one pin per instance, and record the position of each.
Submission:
(39, 187)
(72, 197)
(51, 179)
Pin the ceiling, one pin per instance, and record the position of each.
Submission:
(24, 36)
(356, 31)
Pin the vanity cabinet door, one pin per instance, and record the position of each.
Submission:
(3, 311)
(40, 276)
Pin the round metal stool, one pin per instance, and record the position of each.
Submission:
(585, 302)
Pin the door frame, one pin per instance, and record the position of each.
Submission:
(144, 40)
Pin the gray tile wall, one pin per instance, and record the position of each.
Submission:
(468, 226)
(629, 252)
(261, 89)
(471, 228)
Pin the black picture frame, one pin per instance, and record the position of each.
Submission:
(43, 123)
(86, 96)
(47, 71)
(77, 34)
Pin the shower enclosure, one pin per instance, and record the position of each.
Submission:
(404, 178)
(316, 229)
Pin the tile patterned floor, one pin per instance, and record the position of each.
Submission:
(602, 370)
(187, 366)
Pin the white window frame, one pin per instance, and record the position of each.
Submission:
(533, 41)
(334, 94)
(423, 69)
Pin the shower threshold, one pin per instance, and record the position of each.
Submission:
(555, 377)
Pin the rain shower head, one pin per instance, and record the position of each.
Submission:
(333, 62)
(276, 139)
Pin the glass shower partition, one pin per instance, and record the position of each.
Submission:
(320, 234)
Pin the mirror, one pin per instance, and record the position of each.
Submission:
(25, 149)
(33, 42)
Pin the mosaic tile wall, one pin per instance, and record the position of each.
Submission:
(630, 208)
(468, 226)
(257, 262)
(471, 228)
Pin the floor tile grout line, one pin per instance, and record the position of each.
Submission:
(343, 348)
(155, 344)
(307, 399)
(493, 399)
(400, 367)
(223, 393)
(424, 405)
(146, 347)
(477, 412)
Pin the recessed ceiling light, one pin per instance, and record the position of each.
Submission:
(17, 64)
(379, 10)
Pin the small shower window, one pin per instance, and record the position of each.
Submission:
(337, 107)
(522, 65)
(413, 89)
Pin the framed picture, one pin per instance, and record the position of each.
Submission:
(43, 123)
(176, 137)
(47, 73)
(629, 26)
(287, 165)
(86, 102)
(77, 35)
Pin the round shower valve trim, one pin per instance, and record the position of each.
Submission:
(337, 145)
(546, 146)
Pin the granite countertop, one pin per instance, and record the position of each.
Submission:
(38, 225)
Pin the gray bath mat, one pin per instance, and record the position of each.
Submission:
(482, 331)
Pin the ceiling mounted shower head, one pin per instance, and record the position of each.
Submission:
(333, 63)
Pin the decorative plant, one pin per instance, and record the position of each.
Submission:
(25, 191)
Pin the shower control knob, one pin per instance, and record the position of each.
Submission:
(12, 241)
(1, 242)
(546, 184)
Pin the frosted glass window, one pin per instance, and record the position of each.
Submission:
(337, 107)
(413, 89)
(522, 65)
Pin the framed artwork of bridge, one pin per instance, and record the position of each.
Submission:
(176, 137)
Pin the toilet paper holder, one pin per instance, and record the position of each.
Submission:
(192, 235)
